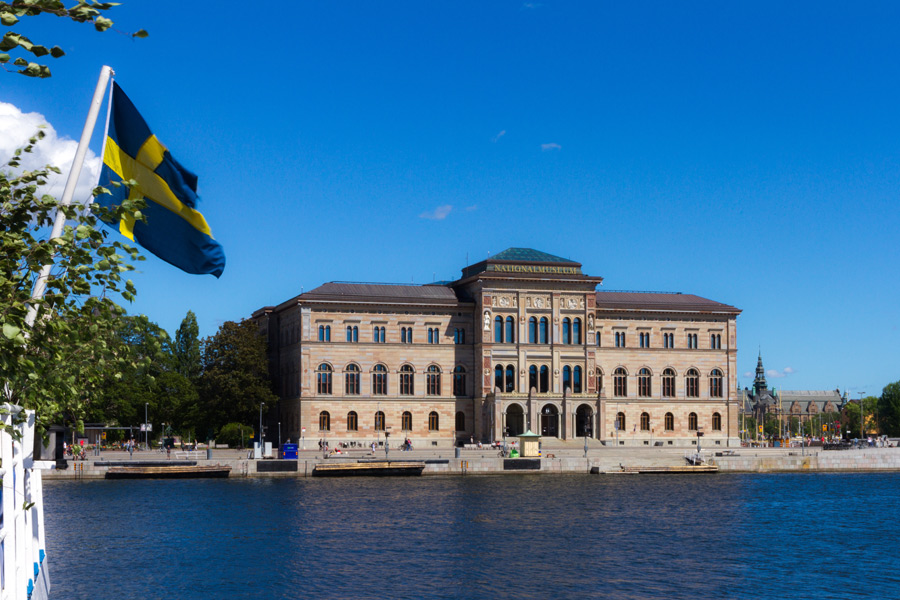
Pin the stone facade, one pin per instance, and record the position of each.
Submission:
(521, 341)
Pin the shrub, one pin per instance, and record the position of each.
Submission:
(231, 434)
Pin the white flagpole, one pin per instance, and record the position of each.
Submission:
(41, 285)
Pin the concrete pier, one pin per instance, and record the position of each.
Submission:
(558, 457)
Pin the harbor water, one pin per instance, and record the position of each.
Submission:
(491, 537)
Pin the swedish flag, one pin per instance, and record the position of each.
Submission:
(174, 230)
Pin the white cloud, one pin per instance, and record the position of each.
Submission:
(783, 373)
(748, 374)
(471, 208)
(531, 5)
(498, 136)
(438, 214)
(16, 127)
(550, 146)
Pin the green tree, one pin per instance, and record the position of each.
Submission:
(850, 417)
(83, 11)
(889, 409)
(55, 364)
(235, 377)
(187, 348)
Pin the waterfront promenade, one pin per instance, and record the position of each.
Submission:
(558, 457)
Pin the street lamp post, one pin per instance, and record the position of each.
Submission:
(146, 439)
(261, 406)
(862, 433)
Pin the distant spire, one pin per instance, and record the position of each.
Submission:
(759, 383)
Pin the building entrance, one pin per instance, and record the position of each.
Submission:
(515, 420)
(584, 421)
(550, 421)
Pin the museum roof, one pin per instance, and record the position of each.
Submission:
(627, 300)
(528, 255)
(345, 290)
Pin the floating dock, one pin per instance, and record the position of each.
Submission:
(369, 469)
(169, 472)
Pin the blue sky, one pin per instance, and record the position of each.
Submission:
(744, 152)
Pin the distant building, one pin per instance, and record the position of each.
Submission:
(522, 340)
(806, 405)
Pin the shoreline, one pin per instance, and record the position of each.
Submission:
(487, 462)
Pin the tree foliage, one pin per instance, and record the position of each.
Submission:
(889, 409)
(83, 11)
(187, 348)
(55, 365)
(235, 377)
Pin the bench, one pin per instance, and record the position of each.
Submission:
(190, 454)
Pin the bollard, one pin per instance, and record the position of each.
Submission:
(209, 454)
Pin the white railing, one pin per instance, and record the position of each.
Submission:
(23, 561)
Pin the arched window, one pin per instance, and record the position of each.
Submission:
(644, 386)
(576, 331)
(692, 384)
(379, 421)
(407, 387)
(576, 380)
(351, 380)
(433, 381)
(430, 335)
(668, 383)
(406, 421)
(717, 422)
(715, 384)
(567, 378)
(498, 377)
(379, 380)
(545, 379)
(532, 330)
(620, 421)
(692, 422)
(620, 382)
(376, 334)
(459, 336)
(352, 421)
(599, 380)
(323, 379)
(352, 333)
(460, 421)
(510, 379)
(532, 378)
(406, 335)
(433, 424)
(645, 422)
(324, 333)
(567, 331)
(498, 329)
(510, 330)
(542, 337)
(670, 422)
(324, 421)
(459, 381)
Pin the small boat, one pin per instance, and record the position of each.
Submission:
(168, 472)
(369, 469)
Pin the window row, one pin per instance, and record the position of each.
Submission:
(668, 340)
(645, 383)
(406, 421)
(505, 330)
(379, 335)
(406, 379)
(668, 422)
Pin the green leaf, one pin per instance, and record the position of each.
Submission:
(11, 331)
(102, 23)
(140, 33)
(39, 51)
(4, 58)
(8, 19)
(56, 52)
(20, 62)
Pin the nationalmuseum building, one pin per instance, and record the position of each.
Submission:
(522, 340)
